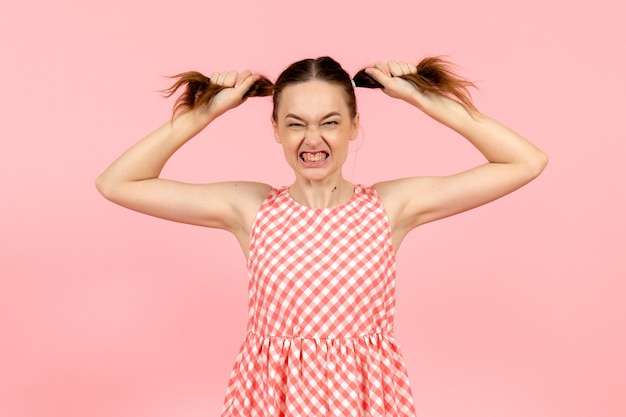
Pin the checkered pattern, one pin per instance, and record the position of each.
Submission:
(321, 307)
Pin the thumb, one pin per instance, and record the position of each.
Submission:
(381, 77)
(245, 80)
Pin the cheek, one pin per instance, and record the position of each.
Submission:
(283, 136)
(342, 137)
(290, 147)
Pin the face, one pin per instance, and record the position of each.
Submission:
(314, 126)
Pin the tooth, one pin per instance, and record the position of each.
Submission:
(314, 157)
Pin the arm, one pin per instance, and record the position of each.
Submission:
(132, 180)
(512, 161)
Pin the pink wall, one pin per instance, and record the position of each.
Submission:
(514, 309)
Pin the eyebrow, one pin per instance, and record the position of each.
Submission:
(294, 116)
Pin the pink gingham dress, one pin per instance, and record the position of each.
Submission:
(321, 308)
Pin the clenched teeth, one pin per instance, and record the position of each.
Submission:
(313, 156)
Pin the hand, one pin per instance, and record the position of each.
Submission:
(388, 75)
(237, 84)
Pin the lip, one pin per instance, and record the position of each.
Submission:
(313, 164)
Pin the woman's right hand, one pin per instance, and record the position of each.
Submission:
(236, 83)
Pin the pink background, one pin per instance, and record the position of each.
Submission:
(513, 309)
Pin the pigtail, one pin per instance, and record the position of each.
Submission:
(199, 90)
(434, 75)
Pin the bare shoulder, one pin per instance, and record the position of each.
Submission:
(249, 194)
(401, 198)
(244, 199)
(248, 190)
(396, 194)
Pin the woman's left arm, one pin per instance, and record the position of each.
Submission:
(512, 160)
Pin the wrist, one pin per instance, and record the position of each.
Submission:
(197, 118)
(424, 100)
(445, 110)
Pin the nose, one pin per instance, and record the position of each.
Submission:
(313, 136)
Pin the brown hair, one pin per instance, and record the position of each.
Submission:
(200, 90)
(322, 69)
(433, 75)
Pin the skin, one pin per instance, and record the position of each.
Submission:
(314, 117)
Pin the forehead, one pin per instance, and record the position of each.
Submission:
(312, 98)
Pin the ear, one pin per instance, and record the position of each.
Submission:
(355, 126)
(275, 127)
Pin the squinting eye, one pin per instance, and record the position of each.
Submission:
(294, 125)
(331, 122)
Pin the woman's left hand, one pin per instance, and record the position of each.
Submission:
(388, 74)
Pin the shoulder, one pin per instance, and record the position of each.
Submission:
(403, 197)
(245, 200)
(232, 205)
(247, 196)
(253, 190)
(397, 192)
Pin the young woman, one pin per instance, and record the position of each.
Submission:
(321, 251)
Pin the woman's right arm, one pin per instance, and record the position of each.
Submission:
(133, 181)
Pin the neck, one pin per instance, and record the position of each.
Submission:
(322, 195)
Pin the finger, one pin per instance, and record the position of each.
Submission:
(217, 78)
(396, 68)
(408, 68)
(379, 75)
(220, 78)
(404, 67)
(242, 76)
(229, 79)
(382, 67)
(247, 83)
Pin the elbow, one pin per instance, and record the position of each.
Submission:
(541, 162)
(104, 186)
(537, 164)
